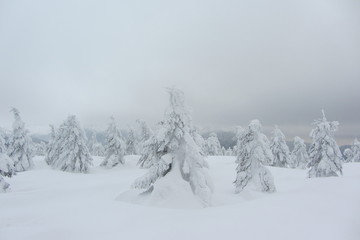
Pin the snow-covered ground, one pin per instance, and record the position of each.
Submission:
(49, 204)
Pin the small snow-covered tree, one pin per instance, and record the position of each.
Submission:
(253, 151)
(213, 145)
(355, 148)
(144, 133)
(324, 153)
(50, 149)
(348, 155)
(177, 158)
(114, 148)
(98, 149)
(71, 152)
(279, 149)
(299, 154)
(20, 144)
(40, 148)
(131, 143)
(229, 152)
(6, 165)
(95, 148)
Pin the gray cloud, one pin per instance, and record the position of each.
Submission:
(280, 62)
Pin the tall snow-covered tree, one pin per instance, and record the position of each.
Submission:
(253, 152)
(324, 153)
(131, 143)
(299, 154)
(6, 165)
(279, 149)
(71, 152)
(355, 149)
(213, 145)
(20, 145)
(114, 148)
(178, 158)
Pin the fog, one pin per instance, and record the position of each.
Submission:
(278, 61)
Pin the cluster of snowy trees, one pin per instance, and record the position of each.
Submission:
(175, 153)
(255, 151)
(16, 152)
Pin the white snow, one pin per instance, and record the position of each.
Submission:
(49, 204)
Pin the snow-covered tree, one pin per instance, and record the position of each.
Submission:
(213, 145)
(150, 154)
(144, 133)
(20, 144)
(200, 141)
(131, 143)
(229, 152)
(253, 151)
(299, 154)
(279, 149)
(98, 149)
(240, 131)
(324, 153)
(114, 148)
(71, 152)
(177, 158)
(348, 155)
(355, 148)
(223, 151)
(6, 165)
(40, 148)
(50, 149)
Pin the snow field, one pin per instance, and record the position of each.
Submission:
(50, 204)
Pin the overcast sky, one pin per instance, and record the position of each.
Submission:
(278, 61)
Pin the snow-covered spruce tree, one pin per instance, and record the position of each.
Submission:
(279, 149)
(178, 157)
(6, 165)
(131, 143)
(253, 151)
(348, 155)
(71, 152)
(355, 148)
(229, 152)
(40, 148)
(213, 145)
(150, 154)
(324, 153)
(98, 149)
(114, 148)
(299, 154)
(50, 149)
(200, 141)
(223, 151)
(20, 145)
(144, 133)
(240, 131)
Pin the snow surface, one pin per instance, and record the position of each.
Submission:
(50, 204)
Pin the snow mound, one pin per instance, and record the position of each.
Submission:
(170, 191)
